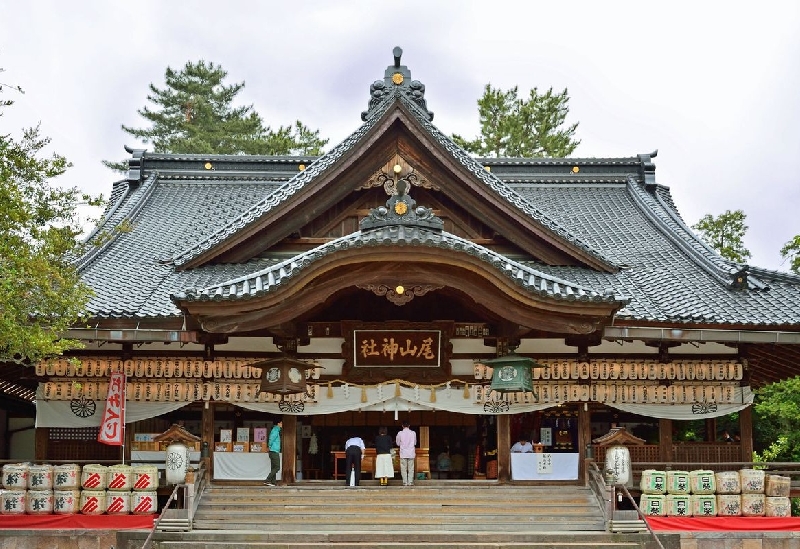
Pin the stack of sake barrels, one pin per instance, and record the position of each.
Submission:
(702, 493)
(119, 490)
(69, 489)
(665, 493)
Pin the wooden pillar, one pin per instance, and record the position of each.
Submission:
(584, 438)
(711, 430)
(207, 433)
(665, 439)
(289, 466)
(746, 433)
(504, 447)
(42, 437)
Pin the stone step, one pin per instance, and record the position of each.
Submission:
(428, 508)
(400, 540)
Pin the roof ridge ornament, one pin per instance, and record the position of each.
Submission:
(396, 79)
(401, 209)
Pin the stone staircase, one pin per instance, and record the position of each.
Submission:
(449, 514)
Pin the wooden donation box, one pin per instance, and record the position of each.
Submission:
(422, 462)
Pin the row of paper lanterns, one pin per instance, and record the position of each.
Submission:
(542, 392)
(159, 368)
(602, 370)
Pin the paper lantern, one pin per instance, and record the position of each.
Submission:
(283, 375)
(512, 373)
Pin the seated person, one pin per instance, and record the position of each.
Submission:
(523, 446)
(457, 464)
(443, 462)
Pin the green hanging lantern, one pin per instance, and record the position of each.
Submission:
(512, 373)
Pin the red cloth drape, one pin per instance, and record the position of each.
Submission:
(77, 522)
(724, 524)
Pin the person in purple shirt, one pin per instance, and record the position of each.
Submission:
(407, 440)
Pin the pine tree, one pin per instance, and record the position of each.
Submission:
(516, 127)
(194, 113)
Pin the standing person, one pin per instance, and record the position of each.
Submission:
(353, 450)
(274, 445)
(407, 440)
(384, 468)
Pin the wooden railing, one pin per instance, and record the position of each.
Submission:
(787, 469)
(700, 452)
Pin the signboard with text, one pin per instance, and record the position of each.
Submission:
(405, 348)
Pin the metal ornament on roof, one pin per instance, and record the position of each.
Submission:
(401, 209)
(512, 373)
(283, 375)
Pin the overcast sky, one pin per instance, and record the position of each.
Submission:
(714, 86)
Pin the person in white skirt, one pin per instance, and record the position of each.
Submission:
(384, 468)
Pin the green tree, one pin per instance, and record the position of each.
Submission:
(41, 294)
(777, 409)
(791, 251)
(515, 127)
(194, 113)
(725, 233)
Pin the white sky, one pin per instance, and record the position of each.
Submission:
(714, 86)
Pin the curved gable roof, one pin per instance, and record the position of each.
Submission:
(215, 244)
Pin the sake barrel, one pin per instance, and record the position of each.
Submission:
(120, 478)
(653, 505)
(777, 486)
(618, 459)
(118, 503)
(145, 477)
(677, 482)
(39, 502)
(729, 505)
(753, 505)
(40, 477)
(653, 482)
(177, 462)
(15, 476)
(93, 502)
(751, 481)
(777, 507)
(66, 476)
(702, 481)
(94, 477)
(704, 505)
(678, 505)
(728, 482)
(66, 502)
(144, 503)
(12, 502)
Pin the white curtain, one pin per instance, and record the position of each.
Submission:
(76, 413)
(380, 398)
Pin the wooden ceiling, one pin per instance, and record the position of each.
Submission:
(771, 362)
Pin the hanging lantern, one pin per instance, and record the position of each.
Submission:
(512, 373)
(283, 375)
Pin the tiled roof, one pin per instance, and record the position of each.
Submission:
(266, 280)
(608, 207)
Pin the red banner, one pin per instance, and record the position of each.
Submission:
(113, 424)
